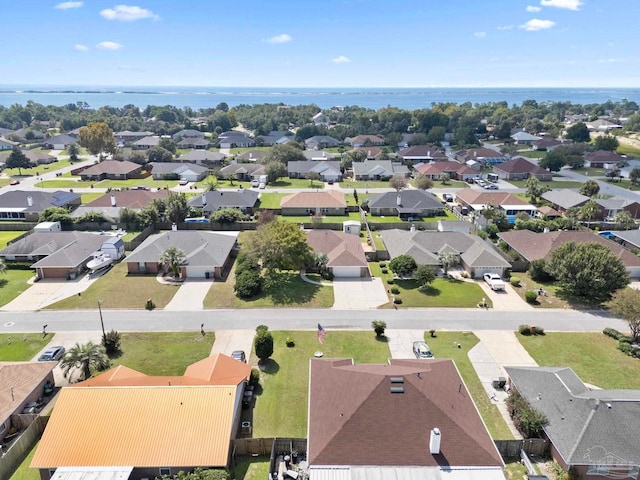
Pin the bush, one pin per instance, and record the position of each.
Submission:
(395, 290)
(625, 347)
(529, 421)
(538, 271)
(524, 330)
(111, 342)
(397, 300)
(246, 262)
(290, 342)
(384, 270)
(149, 305)
(261, 329)
(390, 281)
(248, 284)
(539, 330)
(613, 333)
(263, 344)
(254, 379)
(531, 296)
(382, 264)
(464, 275)
(515, 282)
(379, 327)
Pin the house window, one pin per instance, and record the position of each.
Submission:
(165, 471)
(602, 470)
(52, 472)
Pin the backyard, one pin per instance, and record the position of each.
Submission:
(6, 237)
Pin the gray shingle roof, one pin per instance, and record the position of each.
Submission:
(217, 199)
(201, 156)
(415, 199)
(322, 167)
(565, 198)
(41, 200)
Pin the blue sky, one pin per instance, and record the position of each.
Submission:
(328, 43)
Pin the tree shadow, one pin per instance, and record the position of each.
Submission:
(382, 339)
(3, 282)
(578, 303)
(285, 288)
(430, 291)
(269, 366)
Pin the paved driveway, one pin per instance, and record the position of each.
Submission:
(507, 300)
(401, 341)
(229, 340)
(189, 296)
(358, 293)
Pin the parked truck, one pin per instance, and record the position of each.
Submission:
(494, 281)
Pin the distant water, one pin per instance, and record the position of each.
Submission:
(375, 98)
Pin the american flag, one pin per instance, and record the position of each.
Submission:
(321, 333)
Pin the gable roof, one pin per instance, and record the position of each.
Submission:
(604, 156)
(479, 153)
(19, 380)
(565, 198)
(318, 155)
(321, 167)
(533, 246)
(187, 142)
(201, 156)
(475, 197)
(520, 165)
(64, 139)
(524, 137)
(413, 199)
(113, 167)
(586, 426)
(328, 199)
(438, 168)
(150, 141)
(69, 251)
(252, 169)
(243, 198)
(135, 199)
(372, 152)
(351, 409)
(18, 200)
(166, 168)
(341, 249)
(423, 151)
(200, 247)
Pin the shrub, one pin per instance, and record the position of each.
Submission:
(524, 330)
(384, 270)
(613, 333)
(111, 342)
(379, 327)
(263, 344)
(246, 262)
(390, 281)
(290, 342)
(261, 329)
(464, 275)
(515, 281)
(382, 264)
(254, 379)
(531, 296)
(538, 270)
(529, 421)
(395, 290)
(539, 330)
(625, 347)
(397, 300)
(149, 305)
(248, 284)
(432, 333)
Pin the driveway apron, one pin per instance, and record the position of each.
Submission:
(358, 293)
(189, 296)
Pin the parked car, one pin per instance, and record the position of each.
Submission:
(14, 182)
(239, 355)
(52, 354)
(183, 181)
(330, 182)
(255, 183)
(262, 186)
(494, 281)
(447, 197)
(491, 186)
(422, 350)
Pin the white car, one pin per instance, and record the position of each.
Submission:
(262, 186)
(494, 281)
(183, 181)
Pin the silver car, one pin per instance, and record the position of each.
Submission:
(52, 354)
(422, 350)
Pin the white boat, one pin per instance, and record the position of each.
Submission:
(100, 260)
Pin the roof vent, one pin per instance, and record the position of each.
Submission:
(397, 379)
(397, 389)
(30, 201)
(609, 406)
(113, 201)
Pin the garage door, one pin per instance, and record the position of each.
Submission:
(198, 272)
(346, 272)
(480, 271)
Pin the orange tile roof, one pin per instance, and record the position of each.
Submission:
(141, 427)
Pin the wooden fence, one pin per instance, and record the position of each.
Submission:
(531, 446)
(18, 451)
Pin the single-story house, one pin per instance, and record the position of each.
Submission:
(277, 137)
(39, 158)
(406, 204)
(609, 207)
(603, 159)
(423, 153)
(507, 202)
(6, 144)
(364, 141)
(454, 226)
(251, 156)
(318, 142)
(111, 204)
(627, 238)
(549, 143)
(173, 171)
(476, 256)
(59, 142)
(562, 199)
(202, 157)
(331, 202)
(378, 170)
(602, 125)
(59, 254)
(243, 199)
(520, 168)
(146, 143)
(455, 170)
(548, 213)
(208, 254)
(194, 142)
(22, 382)
(152, 426)
(372, 153)
(235, 139)
(243, 171)
(524, 138)
(328, 170)
(112, 170)
(407, 419)
(127, 137)
(344, 252)
(480, 154)
(187, 133)
(533, 246)
(593, 432)
(37, 134)
(28, 205)
(318, 155)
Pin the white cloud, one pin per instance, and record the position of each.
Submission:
(505, 27)
(536, 24)
(80, 48)
(533, 8)
(566, 4)
(68, 5)
(480, 34)
(341, 59)
(109, 46)
(282, 38)
(128, 13)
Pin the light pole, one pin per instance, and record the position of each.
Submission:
(104, 335)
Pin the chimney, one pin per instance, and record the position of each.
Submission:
(399, 200)
(429, 153)
(30, 201)
(174, 227)
(204, 199)
(434, 442)
(113, 200)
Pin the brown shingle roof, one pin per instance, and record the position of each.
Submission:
(328, 199)
(112, 167)
(341, 249)
(129, 198)
(474, 197)
(18, 381)
(520, 165)
(354, 419)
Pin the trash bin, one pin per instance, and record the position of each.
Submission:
(206, 275)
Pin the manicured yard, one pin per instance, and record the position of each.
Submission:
(13, 283)
(6, 237)
(294, 183)
(593, 356)
(444, 345)
(164, 353)
(90, 197)
(531, 153)
(289, 290)
(72, 182)
(119, 290)
(239, 151)
(364, 185)
(270, 200)
(24, 472)
(281, 407)
(551, 185)
(38, 169)
(249, 468)
(555, 297)
(204, 183)
(628, 150)
(21, 350)
(4, 182)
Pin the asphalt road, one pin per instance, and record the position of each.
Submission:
(305, 319)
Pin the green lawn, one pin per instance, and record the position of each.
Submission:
(13, 283)
(593, 356)
(281, 408)
(555, 298)
(130, 235)
(221, 183)
(6, 237)
(270, 200)
(4, 182)
(551, 185)
(24, 472)
(90, 197)
(294, 183)
(444, 345)
(119, 290)
(288, 290)
(73, 182)
(248, 468)
(164, 353)
(626, 184)
(628, 150)
(21, 350)
(532, 153)
(239, 151)
(37, 170)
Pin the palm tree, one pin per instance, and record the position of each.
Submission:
(171, 259)
(3, 266)
(84, 357)
(447, 259)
